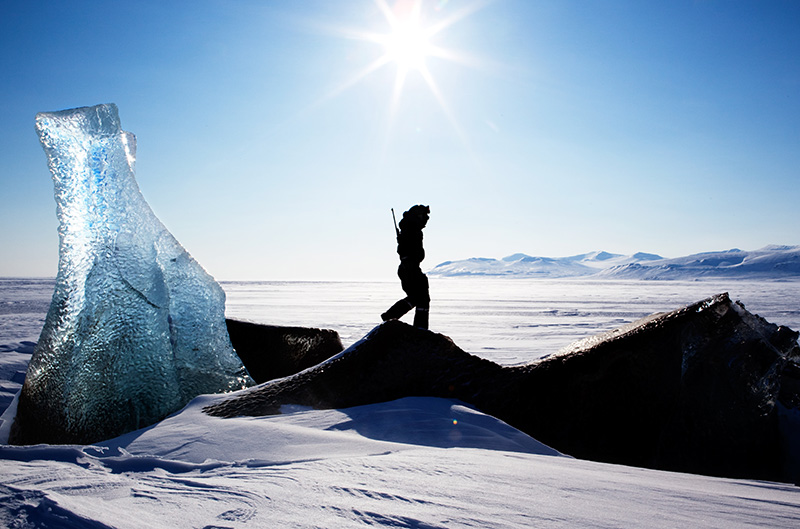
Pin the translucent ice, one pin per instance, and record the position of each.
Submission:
(136, 327)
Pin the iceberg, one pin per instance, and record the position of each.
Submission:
(136, 327)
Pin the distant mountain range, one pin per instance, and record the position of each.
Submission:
(770, 262)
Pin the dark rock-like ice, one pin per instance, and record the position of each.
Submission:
(709, 388)
(274, 351)
(136, 327)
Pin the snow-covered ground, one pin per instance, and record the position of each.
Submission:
(414, 463)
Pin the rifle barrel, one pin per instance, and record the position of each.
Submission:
(396, 230)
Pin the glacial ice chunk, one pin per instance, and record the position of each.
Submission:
(136, 327)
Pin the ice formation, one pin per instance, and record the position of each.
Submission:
(136, 327)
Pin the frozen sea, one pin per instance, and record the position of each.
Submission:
(410, 463)
(508, 321)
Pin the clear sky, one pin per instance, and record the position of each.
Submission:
(274, 136)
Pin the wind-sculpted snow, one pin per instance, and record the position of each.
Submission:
(353, 468)
(136, 327)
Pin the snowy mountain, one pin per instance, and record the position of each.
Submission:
(515, 265)
(770, 262)
(520, 264)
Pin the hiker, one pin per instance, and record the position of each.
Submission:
(413, 281)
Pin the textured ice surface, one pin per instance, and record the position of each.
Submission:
(136, 327)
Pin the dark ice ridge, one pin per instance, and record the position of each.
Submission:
(709, 388)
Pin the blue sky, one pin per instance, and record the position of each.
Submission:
(555, 127)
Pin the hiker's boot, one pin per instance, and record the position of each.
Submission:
(397, 310)
(421, 318)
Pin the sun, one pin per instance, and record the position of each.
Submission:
(408, 44)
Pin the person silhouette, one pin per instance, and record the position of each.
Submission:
(412, 280)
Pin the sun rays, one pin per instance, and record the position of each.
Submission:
(409, 45)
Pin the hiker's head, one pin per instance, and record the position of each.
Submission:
(419, 213)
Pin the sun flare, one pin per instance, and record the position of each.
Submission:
(408, 45)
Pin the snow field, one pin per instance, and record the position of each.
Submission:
(315, 469)
(413, 463)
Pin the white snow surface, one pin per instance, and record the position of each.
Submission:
(413, 463)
